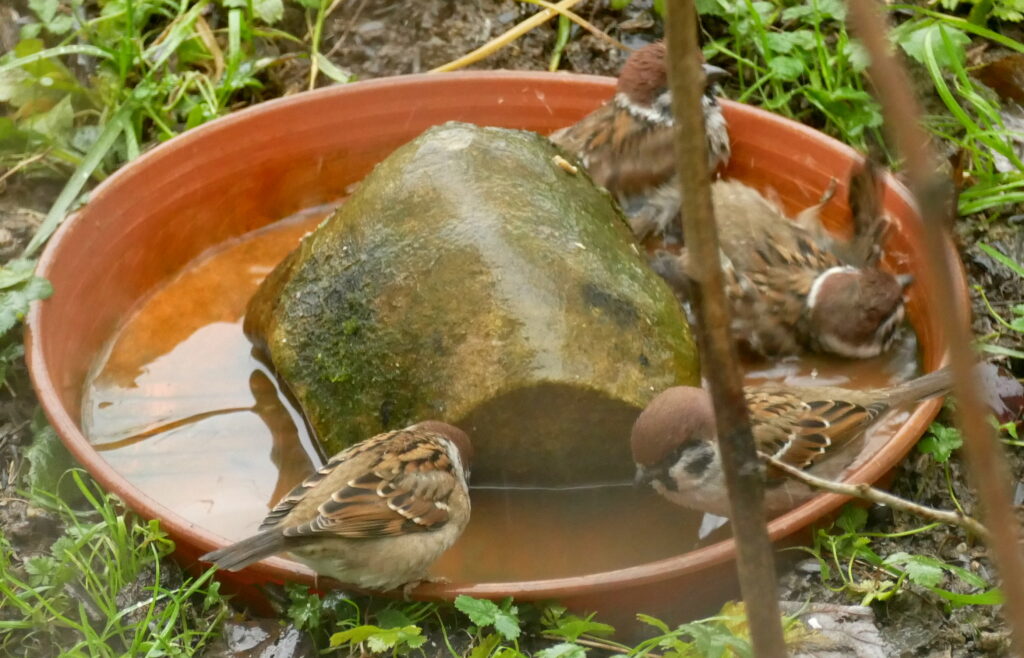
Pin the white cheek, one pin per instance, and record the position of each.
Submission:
(706, 493)
(683, 497)
(456, 459)
(684, 480)
(712, 114)
(641, 112)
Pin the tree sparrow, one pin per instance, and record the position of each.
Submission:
(378, 513)
(626, 144)
(792, 286)
(820, 429)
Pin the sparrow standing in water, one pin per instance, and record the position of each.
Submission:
(378, 513)
(792, 286)
(819, 429)
(627, 147)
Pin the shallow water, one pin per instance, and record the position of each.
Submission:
(179, 404)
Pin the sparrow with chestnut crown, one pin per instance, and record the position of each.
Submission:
(792, 286)
(378, 513)
(819, 429)
(627, 146)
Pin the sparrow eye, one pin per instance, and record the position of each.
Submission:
(695, 456)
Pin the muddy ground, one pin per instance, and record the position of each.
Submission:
(373, 39)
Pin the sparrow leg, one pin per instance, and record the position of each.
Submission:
(408, 588)
(411, 585)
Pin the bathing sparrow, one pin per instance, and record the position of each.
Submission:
(792, 286)
(820, 429)
(626, 144)
(377, 514)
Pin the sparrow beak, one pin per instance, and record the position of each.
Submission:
(643, 477)
(713, 74)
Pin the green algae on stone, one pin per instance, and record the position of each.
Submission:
(473, 280)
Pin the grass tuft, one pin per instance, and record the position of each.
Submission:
(102, 588)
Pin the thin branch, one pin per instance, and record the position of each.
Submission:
(24, 163)
(614, 647)
(755, 555)
(866, 492)
(985, 458)
(582, 22)
(502, 40)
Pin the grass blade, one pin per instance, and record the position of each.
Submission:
(58, 51)
(78, 179)
(1002, 258)
(964, 25)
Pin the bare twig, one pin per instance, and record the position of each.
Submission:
(24, 163)
(608, 645)
(348, 28)
(865, 491)
(755, 560)
(502, 40)
(985, 458)
(582, 22)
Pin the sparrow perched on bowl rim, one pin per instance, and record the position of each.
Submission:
(626, 145)
(376, 515)
(819, 429)
(792, 286)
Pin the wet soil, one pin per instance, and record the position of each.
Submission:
(373, 39)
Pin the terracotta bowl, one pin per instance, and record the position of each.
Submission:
(236, 174)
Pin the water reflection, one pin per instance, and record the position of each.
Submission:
(182, 408)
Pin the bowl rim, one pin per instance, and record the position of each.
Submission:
(277, 569)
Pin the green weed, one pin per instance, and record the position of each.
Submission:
(983, 10)
(478, 628)
(975, 123)
(844, 552)
(71, 600)
(19, 287)
(91, 83)
(940, 442)
(798, 60)
(1011, 319)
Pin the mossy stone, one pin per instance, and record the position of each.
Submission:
(472, 279)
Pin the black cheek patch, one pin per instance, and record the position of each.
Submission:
(699, 464)
(667, 482)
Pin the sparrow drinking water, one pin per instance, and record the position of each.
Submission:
(820, 429)
(377, 515)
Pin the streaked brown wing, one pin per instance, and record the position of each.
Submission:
(801, 430)
(406, 491)
(620, 152)
(640, 156)
(301, 490)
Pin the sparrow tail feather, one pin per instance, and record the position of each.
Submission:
(252, 549)
(927, 386)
